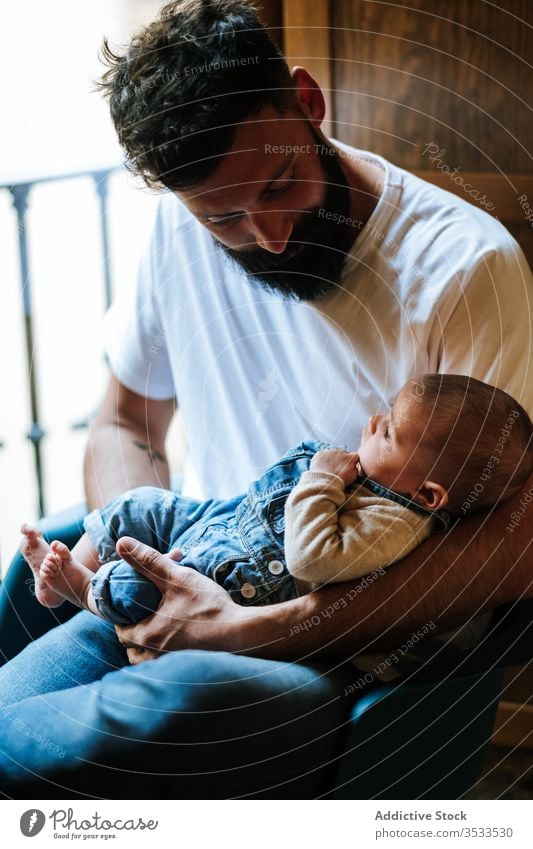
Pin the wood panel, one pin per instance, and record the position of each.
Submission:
(306, 25)
(412, 77)
(418, 76)
(514, 725)
(446, 72)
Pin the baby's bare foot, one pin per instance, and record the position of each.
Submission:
(34, 549)
(69, 578)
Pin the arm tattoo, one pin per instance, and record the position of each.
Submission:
(152, 453)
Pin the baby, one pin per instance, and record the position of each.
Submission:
(449, 445)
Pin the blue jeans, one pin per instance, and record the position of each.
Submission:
(237, 542)
(76, 720)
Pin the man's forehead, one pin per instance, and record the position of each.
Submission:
(260, 148)
(240, 170)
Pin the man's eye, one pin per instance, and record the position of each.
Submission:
(387, 432)
(284, 186)
(227, 219)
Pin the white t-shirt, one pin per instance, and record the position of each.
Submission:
(432, 284)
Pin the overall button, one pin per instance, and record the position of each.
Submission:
(275, 567)
(248, 590)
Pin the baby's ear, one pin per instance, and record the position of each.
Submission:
(432, 496)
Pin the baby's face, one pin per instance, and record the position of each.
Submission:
(389, 441)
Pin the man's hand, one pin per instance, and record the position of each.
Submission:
(344, 464)
(191, 611)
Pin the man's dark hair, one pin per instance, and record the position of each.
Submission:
(179, 92)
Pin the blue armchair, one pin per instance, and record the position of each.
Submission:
(425, 738)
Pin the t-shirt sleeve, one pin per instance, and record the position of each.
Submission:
(134, 335)
(489, 332)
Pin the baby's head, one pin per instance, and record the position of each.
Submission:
(450, 442)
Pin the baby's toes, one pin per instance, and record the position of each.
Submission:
(50, 566)
(61, 550)
(31, 533)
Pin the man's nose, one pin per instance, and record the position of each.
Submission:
(372, 424)
(272, 231)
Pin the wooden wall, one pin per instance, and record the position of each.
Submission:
(447, 71)
(456, 74)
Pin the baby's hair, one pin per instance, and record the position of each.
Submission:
(479, 440)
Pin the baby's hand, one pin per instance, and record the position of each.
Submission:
(345, 464)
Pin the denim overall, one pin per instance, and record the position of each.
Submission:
(236, 542)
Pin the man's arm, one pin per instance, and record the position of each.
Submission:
(126, 445)
(451, 577)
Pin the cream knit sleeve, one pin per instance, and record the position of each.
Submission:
(330, 537)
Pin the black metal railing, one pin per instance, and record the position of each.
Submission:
(21, 198)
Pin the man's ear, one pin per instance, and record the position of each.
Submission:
(309, 95)
(432, 495)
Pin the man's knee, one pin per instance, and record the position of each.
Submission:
(188, 681)
(171, 698)
(182, 691)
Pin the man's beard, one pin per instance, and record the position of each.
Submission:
(322, 242)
